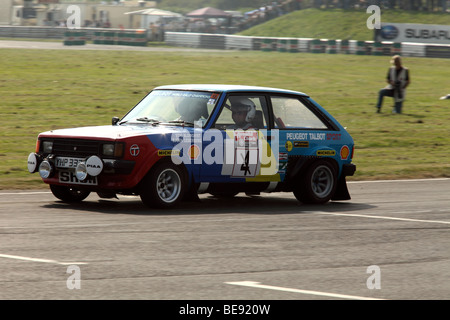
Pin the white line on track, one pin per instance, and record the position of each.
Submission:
(311, 292)
(379, 217)
(8, 256)
(21, 192)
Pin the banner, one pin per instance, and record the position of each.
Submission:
(409, 32)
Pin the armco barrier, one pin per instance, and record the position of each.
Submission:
(233, 42)
(212, 41)
(125, 38)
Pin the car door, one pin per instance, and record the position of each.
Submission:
(242, 148)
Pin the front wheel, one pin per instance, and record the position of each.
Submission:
(163, 187)
(69, 194)
(318, 183)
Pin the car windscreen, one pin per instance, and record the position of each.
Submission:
(174, 107)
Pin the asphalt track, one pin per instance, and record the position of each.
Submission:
(27, 44)
(391, 241)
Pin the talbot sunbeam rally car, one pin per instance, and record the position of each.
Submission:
(182, 140)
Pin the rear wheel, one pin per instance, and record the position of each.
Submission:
(164, 186)
(69, 194)
(318, 184)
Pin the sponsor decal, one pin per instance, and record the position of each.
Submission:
(333, 136)
(389, 32)
(288, 145)
(283, 156)
(134, 150)
(168, 153)
(71, 178)
(246, 154)
(326, 153)
(345, 152)
(317, 136)
(296, 136)
(301, 144)
(305, 136)
(282, 167)
(194, 152)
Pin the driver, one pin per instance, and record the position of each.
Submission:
(191, 110)
(243, 111)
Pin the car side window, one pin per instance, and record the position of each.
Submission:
(293, 113)
(254, 106)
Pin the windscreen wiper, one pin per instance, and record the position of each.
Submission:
(183, 122)
(146, 119)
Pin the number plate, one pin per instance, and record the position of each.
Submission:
(71, 178)
(67, 162)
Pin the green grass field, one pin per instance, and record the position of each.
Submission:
(338, 23)
(42, 90)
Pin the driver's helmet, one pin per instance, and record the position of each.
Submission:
(243, 104)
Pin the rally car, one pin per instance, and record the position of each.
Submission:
(183, 140)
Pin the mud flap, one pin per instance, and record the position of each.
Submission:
(341, 190)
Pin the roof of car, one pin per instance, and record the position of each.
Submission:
(226, 88)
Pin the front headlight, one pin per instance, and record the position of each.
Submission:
(113, 149)
(45, 169)
(47, 146)
(108, 149)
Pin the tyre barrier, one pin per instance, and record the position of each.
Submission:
(377, 49)
(74, 38)
(282, 45)
(288, 45)
(315, 46)
(268, 44)
(331, 47)
(345, 47)
(360, 48)
(396, 48)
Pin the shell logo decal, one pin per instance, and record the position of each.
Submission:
(345, 152)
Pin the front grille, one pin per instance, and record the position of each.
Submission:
(76, 147)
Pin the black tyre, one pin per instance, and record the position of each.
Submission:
(69, 194)
(318, 184)
(164, 186)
